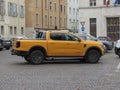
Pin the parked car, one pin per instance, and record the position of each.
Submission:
(109, 44)
(1, 45)
(7, 44)
(90, 37)
(117, 48)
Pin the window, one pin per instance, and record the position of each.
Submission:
(55, 6)
(73, 20)
(113, 27)
(37, 3)
(37, 19)
(46, 6)
(22, 30)
(93, 26)
(64, 21)
(64, 9)
(46, 19)
(73, 10)
(2, 30)
(57, 36)
(51, 20)
(10, 8)
(22, 11)
(70, 37)
(55, 21)
(14, 10)
(15, 30)
(62, 36)
(2, 8)
(50, 6)
(61, 8)
(105, 2)
(70, 21)
(11, 31)
(60, 21)
(69, 10)
(92, 2)
(41, 35)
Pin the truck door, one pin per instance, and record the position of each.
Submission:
(56, 44)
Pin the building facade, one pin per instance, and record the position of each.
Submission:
(73, 11)
(12, 18)
(100, 20)
(45, 14)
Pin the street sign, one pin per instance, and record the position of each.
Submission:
(82, 23)
(83, 28)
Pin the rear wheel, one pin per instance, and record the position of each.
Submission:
(92, 56)
(36, 57)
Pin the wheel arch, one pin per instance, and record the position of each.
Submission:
(42, 49)
(93, 48)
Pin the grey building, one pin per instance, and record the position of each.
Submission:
(100, 20)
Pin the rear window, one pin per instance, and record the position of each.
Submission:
(41, 35)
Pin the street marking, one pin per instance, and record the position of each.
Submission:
(118, 68)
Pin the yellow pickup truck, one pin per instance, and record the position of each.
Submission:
(57, 44)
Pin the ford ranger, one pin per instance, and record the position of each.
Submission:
(57, 44)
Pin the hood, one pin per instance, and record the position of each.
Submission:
(92, 42)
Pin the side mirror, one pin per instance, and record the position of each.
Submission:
(79, 40)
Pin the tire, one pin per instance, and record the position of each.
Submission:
(106, 47)
(36, 57)
(8, 48)
(92, 56)
(27, 58)
(1, 49)
(118, 53)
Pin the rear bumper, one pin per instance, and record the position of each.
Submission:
(19, 53)
(7, 46)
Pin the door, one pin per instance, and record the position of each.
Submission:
(56, 44)
(73, 45)
(64, 45)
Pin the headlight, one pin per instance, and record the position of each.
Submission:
(103, 46)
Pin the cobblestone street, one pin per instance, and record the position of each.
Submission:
(16, 74)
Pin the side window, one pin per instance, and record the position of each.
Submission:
(70, 37)
(57, 36)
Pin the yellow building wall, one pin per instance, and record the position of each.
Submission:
(45, 13)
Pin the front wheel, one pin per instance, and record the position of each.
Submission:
(36, 57)
(27, 58)
(119, 53)
(92, 56)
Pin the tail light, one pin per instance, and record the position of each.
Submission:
(17, 44)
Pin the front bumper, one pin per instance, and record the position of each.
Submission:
(19, 53)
